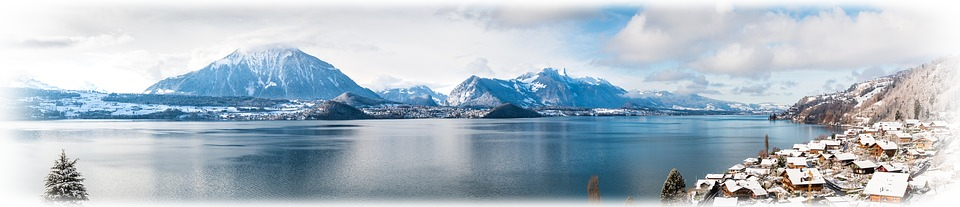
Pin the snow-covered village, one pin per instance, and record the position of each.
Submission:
(883, 164)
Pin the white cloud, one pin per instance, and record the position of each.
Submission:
(753, 42)
(537, 12)
(92, 41)
(417, 44)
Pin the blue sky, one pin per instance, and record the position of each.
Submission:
(745, 52)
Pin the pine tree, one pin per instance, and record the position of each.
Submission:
(916, 109)
(64, 184)
(673, 192)
(629, 202)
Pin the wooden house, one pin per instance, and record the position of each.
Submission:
(863, 167)
(744, 188)
(806, 179)
(887, 187)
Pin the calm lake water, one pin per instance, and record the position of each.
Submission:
(383, 160)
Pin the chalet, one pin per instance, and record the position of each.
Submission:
(831, 144)
(926, 142)
(816, 148)
(850, 132)
(870, 131)
(938, 125)
(738, 168)
(863, 167)
(715, 177)
(884, 147)
(866, 141)
(825, 157)
(844, 158)
(903, 137)
(808, 179)
(743, 188)
(887, 187)
(725, 202)
(911, 123)
(890, 167)
(801, 147)
(750, 161)
(796, 162)
(705, 185)
(768, 163)
(889, 126)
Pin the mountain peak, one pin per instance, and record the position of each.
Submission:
(264, 72)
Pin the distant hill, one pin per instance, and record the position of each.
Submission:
(511, 111)
(333, 110)
(923, 92)
(286, 73)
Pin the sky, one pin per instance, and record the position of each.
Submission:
(740, 51)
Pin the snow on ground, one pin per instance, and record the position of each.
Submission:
(950, 196)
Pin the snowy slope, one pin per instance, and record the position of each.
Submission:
(265, 73)
(415, 95)
(31, 83)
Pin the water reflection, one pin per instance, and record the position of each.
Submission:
(17, 135)
(375, 160)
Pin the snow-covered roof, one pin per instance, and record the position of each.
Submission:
(939, 123)
(802, 176)
(837, 201)
(725, 202)
(708, 183)
(846, 156)
(757, 171)
(801, 147)
(732, 185)
(830, 142)
(714, 176)
(887, 184)
(887, 145)
(768, 162)
(737, 167)
(750, 160)
(797, 161)
(816, 146)
(863, 164)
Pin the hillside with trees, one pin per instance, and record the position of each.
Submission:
(924, 92)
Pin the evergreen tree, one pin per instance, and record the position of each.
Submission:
(674, 189)
(64, 184)
(593, 190)
(916, 109)
(629, 202)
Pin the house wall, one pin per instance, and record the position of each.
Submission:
(886, 199)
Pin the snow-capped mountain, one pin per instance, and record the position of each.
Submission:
(264, 73)
(31, 84)
(545, 88)
(415, 95)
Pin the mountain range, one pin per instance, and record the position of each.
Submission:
(923, 92)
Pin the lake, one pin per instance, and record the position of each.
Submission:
(473, 160)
